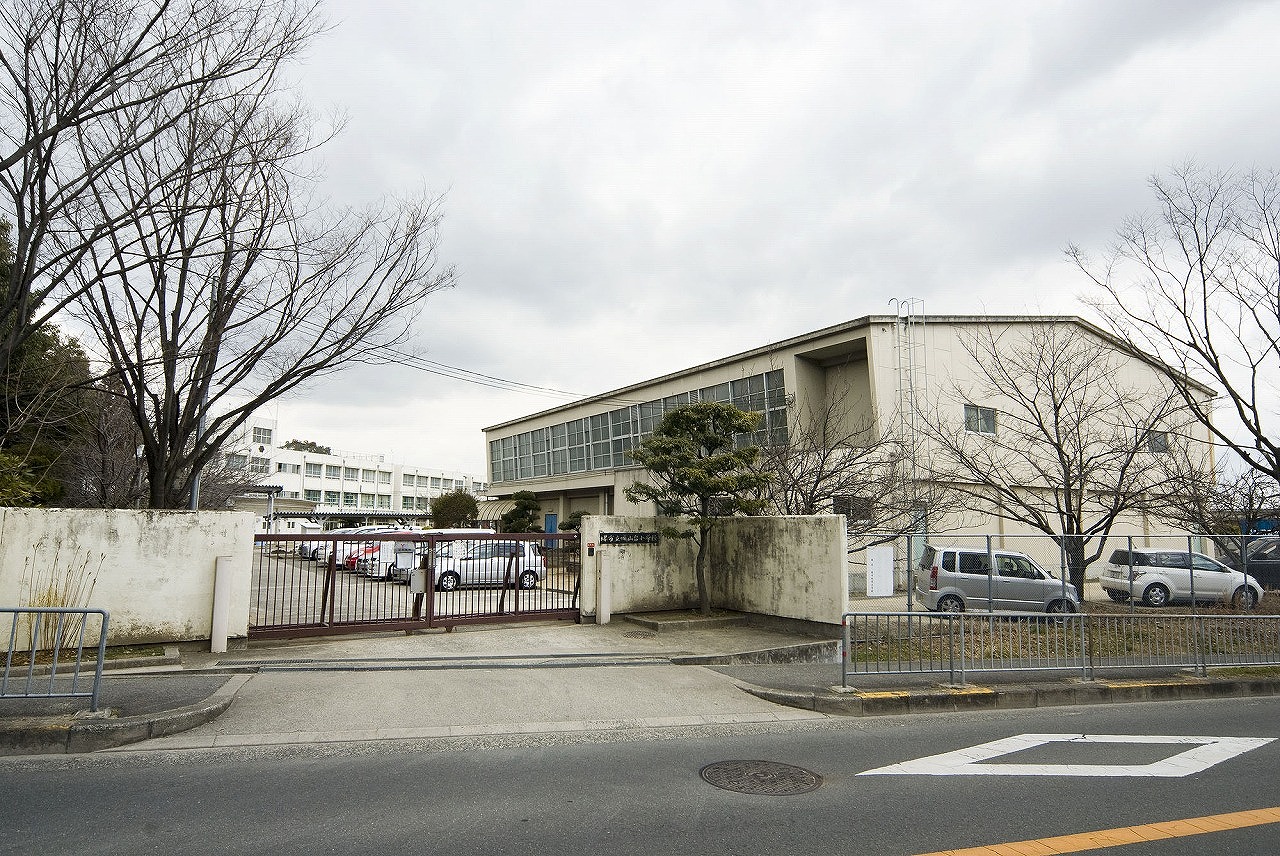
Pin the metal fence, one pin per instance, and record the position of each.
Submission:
(307, 584)
(46, 654)
(958, 644)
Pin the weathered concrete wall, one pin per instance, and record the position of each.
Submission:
(638, 577)
(154, 569)
(791, 567)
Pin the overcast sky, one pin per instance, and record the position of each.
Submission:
(633, 188)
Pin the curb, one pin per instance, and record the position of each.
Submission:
(947, 699)
(170, 657)
(827, 651)
(90, 733)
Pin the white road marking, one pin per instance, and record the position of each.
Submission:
(1205, 752)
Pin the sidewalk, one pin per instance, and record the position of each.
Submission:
(523, 678)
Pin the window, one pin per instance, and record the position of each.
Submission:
(366, 500)
(351, 473)
(237, 462)
(409, 480)
(1019, 567)
(259, 465)
(384, 500)
(290, 494)
(604, 441)
(384, 477)
(406, 503)
(350, 498)
(974, 563)
(288, 468)
(332, 472)
(858, 509)
(423, 504)
(314, 469)
(368, 475)
(262, 436)
(435, 482)
(979, 420)
(331, 497)
(312, 495)
(1156, 442)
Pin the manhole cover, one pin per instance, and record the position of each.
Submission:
(640, 634)
(768, 778)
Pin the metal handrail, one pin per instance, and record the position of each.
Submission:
(961, 643)
(68, 634)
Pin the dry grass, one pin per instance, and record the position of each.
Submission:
(57, 583)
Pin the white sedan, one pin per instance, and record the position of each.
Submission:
(492, 563)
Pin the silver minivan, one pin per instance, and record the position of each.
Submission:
(955, 579)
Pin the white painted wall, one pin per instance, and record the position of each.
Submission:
(792, 567)
(154, 569)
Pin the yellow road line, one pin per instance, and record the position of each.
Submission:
(1121, 836)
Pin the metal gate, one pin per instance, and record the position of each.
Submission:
(306, 585)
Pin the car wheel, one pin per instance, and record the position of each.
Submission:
(1156, 595)
(448, 581)
(528, 579)
(950, 603)
(1118, 596)
(1061, 607)
(1245, 599)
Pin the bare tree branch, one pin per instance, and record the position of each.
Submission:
(1197, 283)
(1069, 450)
(87, 84)
(221, 290)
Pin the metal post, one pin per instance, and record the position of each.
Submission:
(1191, 570)
(844, 651)
(1086, 650)
(102, 658)
(1130, 552)
(951, 646)
(991, 575)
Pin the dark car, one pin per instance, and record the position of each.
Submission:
(1262, 562)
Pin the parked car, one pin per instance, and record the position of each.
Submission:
(457, 540)
(319, 550)
(956, 579)
(492, 563)
(1158, 577)
(1262, 561)
(394, 557)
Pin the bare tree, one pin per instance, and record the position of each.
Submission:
(1227, 506)
(836, 460)
(223, 289)
(88, 84)
(1052, 437)
(1197, 283)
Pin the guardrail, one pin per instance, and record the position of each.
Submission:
(46, 653)
(959, 643)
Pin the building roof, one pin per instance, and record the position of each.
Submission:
(850, 326)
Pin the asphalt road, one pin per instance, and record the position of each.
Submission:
(639, 792)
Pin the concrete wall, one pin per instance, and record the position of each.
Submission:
(154, 569)
(790, 567)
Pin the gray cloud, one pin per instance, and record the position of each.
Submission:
(632, 188)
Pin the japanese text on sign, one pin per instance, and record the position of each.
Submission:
(630, 537)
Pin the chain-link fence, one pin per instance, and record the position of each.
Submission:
(1175, 571)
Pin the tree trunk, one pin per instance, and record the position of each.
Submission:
(700, 571)
(1074, 549)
